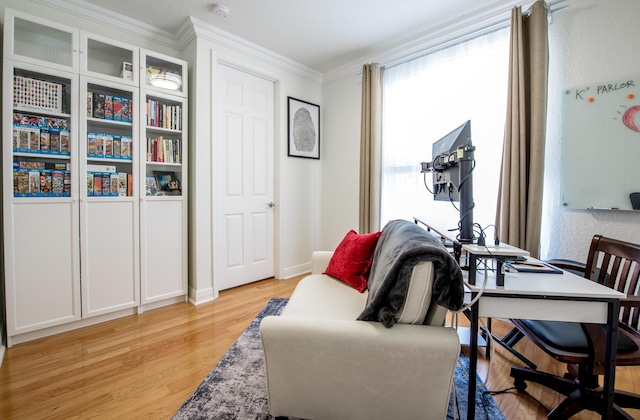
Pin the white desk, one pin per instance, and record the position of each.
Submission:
(552, 297)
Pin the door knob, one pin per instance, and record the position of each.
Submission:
(271, 204)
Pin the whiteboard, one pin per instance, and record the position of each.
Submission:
(601, 144)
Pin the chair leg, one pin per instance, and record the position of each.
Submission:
(561, 385)
(508, 342)
(572, 405)
(627, 399)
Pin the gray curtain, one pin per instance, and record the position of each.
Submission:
(370, 146)
(519, 209)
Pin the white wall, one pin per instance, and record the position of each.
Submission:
(592, 41)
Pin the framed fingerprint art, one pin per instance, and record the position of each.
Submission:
(304, 129)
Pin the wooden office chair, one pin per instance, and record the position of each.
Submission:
(615, 264)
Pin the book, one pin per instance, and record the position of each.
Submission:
(90, 104)
(106, 184)
(531, 267)
(89, 184)
(30, 164)
(91, 144)
(108, 107)
(108, 146)
(34, 139)
(67, 184)
(126, 110)
(117, 108)
(126, 147)
(23, 183)
(23, 139)
(117, 147)
(16, 136)
(44, 141)
(99, 145)
(34, 183)
(130, 184)
(45, 182)
(57, 183)
(54, 140)
(64, 142)
(114, 181)
(98, 105)
(100, 168)
(122, 184)
(97, 184)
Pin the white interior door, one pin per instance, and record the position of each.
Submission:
(244, 178)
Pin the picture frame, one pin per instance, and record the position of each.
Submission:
(151, 185)
(303, 129)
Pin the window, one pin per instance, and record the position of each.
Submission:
(428, 97)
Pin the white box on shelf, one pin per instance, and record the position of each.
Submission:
(126, 70)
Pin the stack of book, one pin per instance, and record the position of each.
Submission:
(41, 179)
(104, 181)
(41, 135)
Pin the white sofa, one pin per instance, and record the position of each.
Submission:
(323, 364)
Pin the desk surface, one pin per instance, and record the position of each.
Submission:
(544, 284)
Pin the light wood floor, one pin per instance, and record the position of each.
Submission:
(145, 366)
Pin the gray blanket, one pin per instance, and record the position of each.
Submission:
(401, 246)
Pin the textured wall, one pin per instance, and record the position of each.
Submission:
(591, 41)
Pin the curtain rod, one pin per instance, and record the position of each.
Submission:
(479, 32)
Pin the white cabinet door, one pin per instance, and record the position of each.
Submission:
(162, 249)
(41, 263)
(110, 280)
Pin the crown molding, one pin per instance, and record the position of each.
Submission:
(107, 17)
(464, 27)
(228, 40)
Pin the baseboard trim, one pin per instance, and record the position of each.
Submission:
(2, 350)
(296, 270)
(198, 297)
(45, 332)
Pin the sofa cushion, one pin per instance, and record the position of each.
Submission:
(418, 299)
(351, 260)
(319, 296)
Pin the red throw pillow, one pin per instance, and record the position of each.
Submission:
(351, 260)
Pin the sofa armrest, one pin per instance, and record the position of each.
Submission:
(320, 261)
(318, 368)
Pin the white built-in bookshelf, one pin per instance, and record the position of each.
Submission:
(86, 135)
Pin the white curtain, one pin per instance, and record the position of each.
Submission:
(428, 97)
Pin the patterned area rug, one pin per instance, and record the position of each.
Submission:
(235, 389)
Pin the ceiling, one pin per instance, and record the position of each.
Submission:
(320, 34)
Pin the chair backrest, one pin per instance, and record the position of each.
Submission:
(616, 264)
